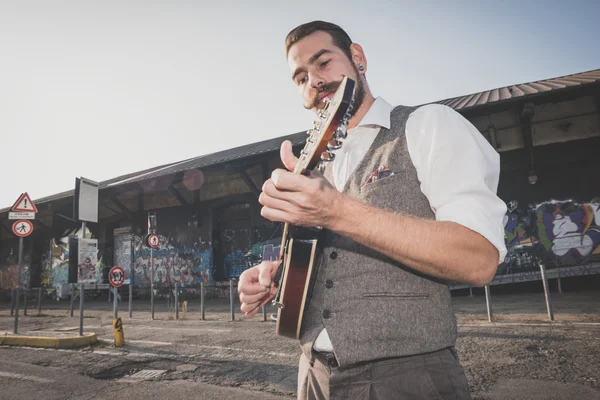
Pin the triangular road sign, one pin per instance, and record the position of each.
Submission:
(24, 204)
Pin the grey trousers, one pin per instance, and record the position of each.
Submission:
(436, 375)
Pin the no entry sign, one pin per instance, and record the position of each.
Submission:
(116, 276)
(153, 241)
(22, 228)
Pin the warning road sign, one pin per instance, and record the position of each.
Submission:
(22, 228)
(116, 276)
(24, 204)
(153, 241)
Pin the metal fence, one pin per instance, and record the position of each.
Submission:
(175, 295)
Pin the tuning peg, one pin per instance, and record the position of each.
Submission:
(327, 156)
(323, 114)
(341, 132)
(334, 144)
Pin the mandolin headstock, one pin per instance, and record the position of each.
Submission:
(329, 128)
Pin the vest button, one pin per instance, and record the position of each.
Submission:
(326, 314)
(333, 255)
(328, 283)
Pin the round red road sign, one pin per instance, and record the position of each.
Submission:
(22, 228)
(116, 276)
(153, 241)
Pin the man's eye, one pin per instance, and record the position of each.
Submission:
(324, 64)
(302, 80)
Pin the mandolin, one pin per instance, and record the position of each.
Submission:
(298, 251)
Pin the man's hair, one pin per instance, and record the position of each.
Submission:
(339, 36)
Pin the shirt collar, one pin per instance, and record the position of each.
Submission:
(378, 114)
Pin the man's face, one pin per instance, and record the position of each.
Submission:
(318, 68)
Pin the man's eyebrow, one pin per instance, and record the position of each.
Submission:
(318, 54)
(311, 60)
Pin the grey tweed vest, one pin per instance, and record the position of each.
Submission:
(372, 306)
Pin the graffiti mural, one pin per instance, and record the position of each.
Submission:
(185, 265)
(9, 258)
(556, 232)
(55, 271)
(242, 253)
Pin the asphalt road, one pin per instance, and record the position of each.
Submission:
(523, 358)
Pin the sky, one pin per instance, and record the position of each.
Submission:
(98, 89)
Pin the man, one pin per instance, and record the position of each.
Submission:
(408, 205)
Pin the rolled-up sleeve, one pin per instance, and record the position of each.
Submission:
(458, 171)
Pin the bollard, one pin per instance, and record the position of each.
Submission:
(231, 299)
(176, 301)
(546, 292)
(13, 302)
(81, 293)
(119, 334)
(25, 301)
(40, 294)
(264, 309)
(202, 301)
(130, 300)
(558, 279)
(488, 303)
(72, 298)
(470, 292)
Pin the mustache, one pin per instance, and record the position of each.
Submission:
(329, 87)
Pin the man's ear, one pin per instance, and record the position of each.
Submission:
(358, 57)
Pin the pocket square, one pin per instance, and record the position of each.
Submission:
(381, 172)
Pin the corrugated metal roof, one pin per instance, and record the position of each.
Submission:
(272, 145)
(102, 185)
(220, 157)
(523, 89)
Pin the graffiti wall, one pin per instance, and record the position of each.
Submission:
(56, 271)
(245, 248)
(556, 232)
(9, 258)
(185, 265)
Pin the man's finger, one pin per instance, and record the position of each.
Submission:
(248, 283)
(267, 271)
(270, 201)
(274, 215)
(253, 298)
(257, 307)
(287, 156)
(287, 181)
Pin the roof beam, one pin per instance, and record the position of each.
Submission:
(122, 207)
(249, 182)
(178, 195)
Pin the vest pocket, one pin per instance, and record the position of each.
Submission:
(397, 295)
(366, 188)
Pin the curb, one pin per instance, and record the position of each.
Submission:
(49, 342)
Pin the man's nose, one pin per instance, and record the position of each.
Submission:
(315, 81)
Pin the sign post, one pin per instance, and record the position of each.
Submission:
(116, 277)
(153, 242)
(85, 209)
(18, 285)
(22, 210)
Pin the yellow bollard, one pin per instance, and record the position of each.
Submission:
(118, 329)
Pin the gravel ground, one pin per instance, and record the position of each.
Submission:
(519, 353)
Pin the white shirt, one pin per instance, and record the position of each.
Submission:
(457, 168)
